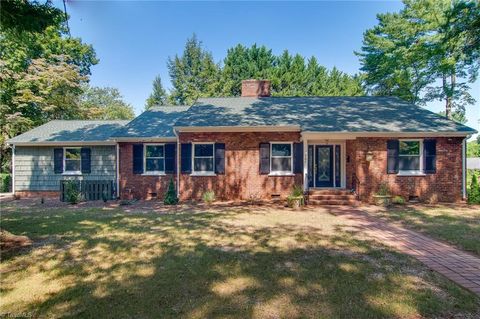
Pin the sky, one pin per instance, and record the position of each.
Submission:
(133, 39)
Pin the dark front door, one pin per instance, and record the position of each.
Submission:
(324, 166)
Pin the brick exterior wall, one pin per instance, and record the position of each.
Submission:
(242, 179)
(137, 185)
(445, 185)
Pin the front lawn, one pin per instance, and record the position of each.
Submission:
(456, 224)
(235, 262)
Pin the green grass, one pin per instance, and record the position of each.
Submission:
(215, 262)
(455, 224)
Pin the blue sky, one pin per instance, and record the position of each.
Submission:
(133, 39)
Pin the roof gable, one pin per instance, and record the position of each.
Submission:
(157, 122)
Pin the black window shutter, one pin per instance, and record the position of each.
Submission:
(186, 158)
(170, 158)
(137, 158)
(220, 158)
(392, 156)
(264, 158)
(85, 154)
(58, 160)
(298, 158)
(430, 156)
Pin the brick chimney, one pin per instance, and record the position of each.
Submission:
(255, 88)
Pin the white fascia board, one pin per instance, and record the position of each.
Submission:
(354, 135)
(289, 128)
(144, 139)
(63, 143)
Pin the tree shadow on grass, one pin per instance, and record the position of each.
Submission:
(196, 265)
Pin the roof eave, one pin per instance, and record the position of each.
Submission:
(270, 128)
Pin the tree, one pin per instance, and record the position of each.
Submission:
(473, 149)
(193, 74)
(426, 49)
(41, 70)
(105, 103)
(23, 15)
(158, 96)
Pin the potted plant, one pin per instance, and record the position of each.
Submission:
(296, 199)
(382, 197)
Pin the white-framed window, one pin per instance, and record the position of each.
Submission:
(72, 160)
(203, 158)
(281, 158)
(154, 158)
(410, 156)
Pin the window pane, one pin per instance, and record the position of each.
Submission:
(281, 164)
(203, 149)
(409, 148)
(281, 149)
(408, 163)
(203, 164)
(154, 164)
(154, 151)
(72, 153)
(72, 165)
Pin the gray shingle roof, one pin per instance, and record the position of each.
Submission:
(157, 122)
(320, 114)
(70, 131)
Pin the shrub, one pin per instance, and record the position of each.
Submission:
(383, 190)
(296, 194)
(72, 192)
(208, 196)
(5, 182)
(474, 192)
(171, 195)
(398, 200)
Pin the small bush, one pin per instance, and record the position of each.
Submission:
(474, 192)
(399, 200)
(383, 190)
(72, 192)
(208, 196)
(295, 195)
(5, 182)
(171, 195)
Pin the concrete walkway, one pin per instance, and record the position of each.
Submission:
(453, 263)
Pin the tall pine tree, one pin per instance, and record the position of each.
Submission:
(158, 96)
(193, 74)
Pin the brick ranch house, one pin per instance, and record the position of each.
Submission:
(253, 147)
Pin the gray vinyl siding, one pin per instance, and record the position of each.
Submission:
(34, 167)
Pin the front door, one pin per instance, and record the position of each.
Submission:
(324, 166)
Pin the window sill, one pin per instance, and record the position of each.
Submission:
(203, 174)
(412, 173)
(71, 173)
(281, 174)
(154, 174)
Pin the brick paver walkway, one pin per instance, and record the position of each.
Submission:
(451, 262)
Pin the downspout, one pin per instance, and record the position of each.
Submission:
(464, 169)
(305, 163)
(13, 169)
(178, 162)
(118, 170)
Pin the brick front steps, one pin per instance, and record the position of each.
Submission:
(331, 197)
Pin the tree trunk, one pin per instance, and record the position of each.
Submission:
(448, 98)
